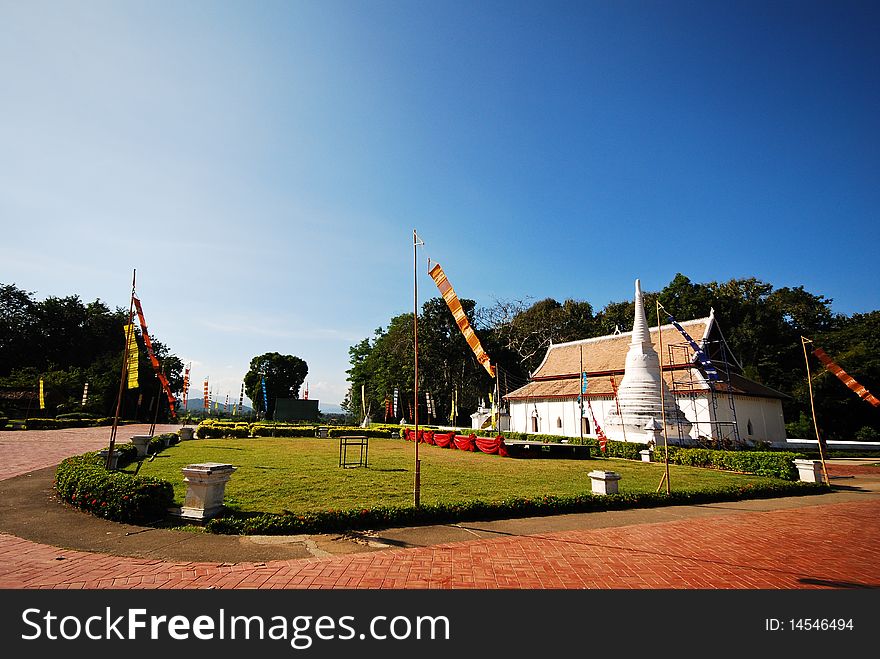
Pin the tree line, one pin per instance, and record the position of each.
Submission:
(67, 343)
(762, 326)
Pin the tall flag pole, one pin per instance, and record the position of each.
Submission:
(617, 405)
(122, 378)
(417, 242)
(804, 342)
(461, 319)
(662, 405)
(582, 394)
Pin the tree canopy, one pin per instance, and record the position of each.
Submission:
(762, 326)
(284, 375)
(67, 343)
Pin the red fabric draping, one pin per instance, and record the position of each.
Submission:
(464, 442)
(491, 445)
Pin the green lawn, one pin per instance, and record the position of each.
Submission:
(303, 475)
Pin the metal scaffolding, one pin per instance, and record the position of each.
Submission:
(712, 403)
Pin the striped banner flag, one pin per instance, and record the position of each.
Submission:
(226, 406)
(185, 387)
(85, 398)
(708, 367)
(461, 320)
(207, 398)
(241, 397)
(132, 363)
(844, 377)
(42, 399)
(148, 344)
(265, 396)
(603, 440)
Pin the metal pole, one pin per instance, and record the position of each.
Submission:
(663, 402)
(581, 397)
(417, 482)
(804, 342)
(122, 374)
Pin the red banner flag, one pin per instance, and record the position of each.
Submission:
(148, 344)
(844, 377)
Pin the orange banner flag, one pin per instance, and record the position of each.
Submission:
(454, 305)
(844, 377)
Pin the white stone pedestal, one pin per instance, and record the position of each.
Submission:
(604, 482)
(205, 488)
(113, 460)
(646, 455)
(322, 431)
(809, 471)
(185, 433)
(141, 443)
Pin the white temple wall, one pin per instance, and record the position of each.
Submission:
(553, 412)
(765, 415)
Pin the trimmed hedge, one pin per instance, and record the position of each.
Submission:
(236, 523)
(763, 463)
(84, 482)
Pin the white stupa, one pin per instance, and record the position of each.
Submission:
(639, 394)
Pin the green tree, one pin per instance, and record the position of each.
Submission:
(284, 375)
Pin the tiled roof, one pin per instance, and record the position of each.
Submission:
(607, 354)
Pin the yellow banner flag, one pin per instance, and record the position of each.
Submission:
(42, 400)
(131, 341)
(461, 320)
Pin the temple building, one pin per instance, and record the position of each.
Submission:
(703, 396)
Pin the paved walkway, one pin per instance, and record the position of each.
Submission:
(831, 541)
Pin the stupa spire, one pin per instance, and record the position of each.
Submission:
(640, 325)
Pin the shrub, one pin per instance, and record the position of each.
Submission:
(385, 516)
(84, 482)
(763, 463)
(867, 434)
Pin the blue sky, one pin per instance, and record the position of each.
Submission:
(262, 165)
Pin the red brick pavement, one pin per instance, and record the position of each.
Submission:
(825, 546)
(24, 451)
(818, 546)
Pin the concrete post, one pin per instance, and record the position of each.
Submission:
(604, 482)
(186, 433)
(809, 471)
(141, 443)
(113, 460)
(646, 455)
(205, 489)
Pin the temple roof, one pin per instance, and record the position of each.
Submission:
(604, 357)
